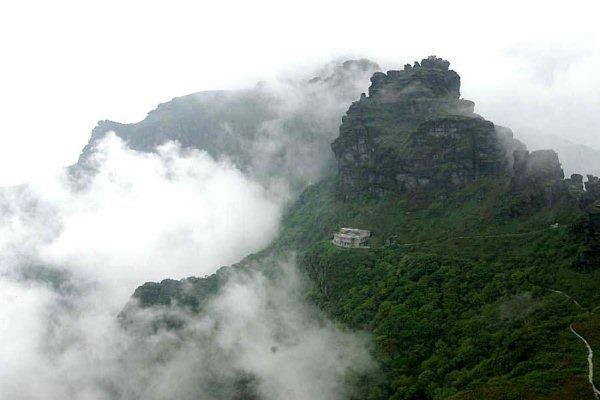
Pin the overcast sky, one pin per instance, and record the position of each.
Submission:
(64, 65)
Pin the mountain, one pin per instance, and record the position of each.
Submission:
(280, 130)
(414, 131)
(483, 260)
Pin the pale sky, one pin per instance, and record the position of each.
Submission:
(64, 65)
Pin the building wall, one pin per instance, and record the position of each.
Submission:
(352, 242)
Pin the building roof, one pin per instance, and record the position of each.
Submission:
(355, 232)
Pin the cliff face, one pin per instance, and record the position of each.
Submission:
(537, 167)
(414, 132)
(590, 257)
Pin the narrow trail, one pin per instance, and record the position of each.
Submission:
(481, 236)
(567, 296)
(590, 358)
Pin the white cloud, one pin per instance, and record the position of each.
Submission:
(73, 250)
(68, 64)
(146, 216)
(259, 327)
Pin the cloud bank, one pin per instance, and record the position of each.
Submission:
(74, 247)
(257, 338)
(139, 215)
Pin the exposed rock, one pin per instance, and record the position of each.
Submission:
(414, 132)
(574, 185)
(590, 257)
(508, 145)
(536, 168)
(430, 79)
(592, 187)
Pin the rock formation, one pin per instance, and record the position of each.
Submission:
(592, 187)
(590, 257)
(508, 145)
(536, 168)
(574, 185)
(413, 132)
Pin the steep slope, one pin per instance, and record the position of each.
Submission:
(474, 240)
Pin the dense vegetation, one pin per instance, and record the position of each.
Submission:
(459, 289)
(453, 317)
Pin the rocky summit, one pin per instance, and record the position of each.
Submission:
(413, 132)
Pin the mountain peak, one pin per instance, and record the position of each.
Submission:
(414, 132)
(429, 78)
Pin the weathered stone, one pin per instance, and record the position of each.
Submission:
(508, 145)
(432, 78)
(413, 132)
(536, 168)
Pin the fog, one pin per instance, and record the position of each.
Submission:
(74, 246)
(136, 217)
(296, 145)
(546, 93)
(68, 65)
(141, 215)
(258, 326)
(71, 346)
(75, 243)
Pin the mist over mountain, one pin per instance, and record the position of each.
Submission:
(277, 130)
(458, 306)
(575, 158)
(189, 255)
(200, 183)
(280, 130)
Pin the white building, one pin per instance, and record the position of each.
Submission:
(352, 238)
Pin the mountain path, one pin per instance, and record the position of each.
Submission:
(590, 358)
(567, 296)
